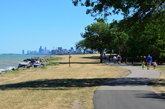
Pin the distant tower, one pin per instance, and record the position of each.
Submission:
(40, 50)
(45, 51)
(23, 52)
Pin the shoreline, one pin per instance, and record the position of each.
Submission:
(17, 61)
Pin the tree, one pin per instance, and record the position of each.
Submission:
(155, 37)
(141, 11)
(119, 37)
(83, 45)
(97, 36)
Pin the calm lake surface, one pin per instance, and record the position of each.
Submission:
(9, 60)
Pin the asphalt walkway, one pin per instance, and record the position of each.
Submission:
(130, 92)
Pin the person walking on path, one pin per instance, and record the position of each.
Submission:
(118, 59)
(114, 59)
(149, 61)
(143, 65)
(109, 58)
(154, 64)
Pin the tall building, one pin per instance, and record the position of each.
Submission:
(23, 52)
(59, 50)
(28, 52)
(40, 50)
(45, 49)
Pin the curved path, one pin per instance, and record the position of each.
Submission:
(130, 92)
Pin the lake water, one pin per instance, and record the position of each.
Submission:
(7, 60)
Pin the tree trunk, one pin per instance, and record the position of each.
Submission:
(92, 51)
(84, 51)
(101, 58)
(132, 59)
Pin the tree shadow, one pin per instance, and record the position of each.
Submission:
(79, 63)
(130, 82)
(149, 95)
(56, 84)
(68, 84)
(92, 57)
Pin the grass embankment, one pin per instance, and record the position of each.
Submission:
(159, 84)
(57, 87)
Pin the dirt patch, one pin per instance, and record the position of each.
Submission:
(77, 104)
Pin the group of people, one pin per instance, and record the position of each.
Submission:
(149, 61)
(116, 59)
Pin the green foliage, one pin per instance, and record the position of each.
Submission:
(43, 67)
(138, 34)
(53, 64)
(52, 58)
(82, 45)
(97, 35)
(141, 9)
(12, 71)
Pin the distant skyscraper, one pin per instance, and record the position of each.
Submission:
(40, 50)
(45, 49)
(23, 51)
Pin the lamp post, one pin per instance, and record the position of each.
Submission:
(69, 59)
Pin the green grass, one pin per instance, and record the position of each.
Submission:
(54, 58)
(43, 67)
(12, 71)
(52, 61)
(52, 64)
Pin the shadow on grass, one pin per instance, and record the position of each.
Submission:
(67, 84)
(79, 62)
(56, 84)
(92, 57)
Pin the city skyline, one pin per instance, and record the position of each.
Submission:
(58, 50)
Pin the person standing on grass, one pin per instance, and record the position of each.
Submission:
(154, 64)
(149, 61)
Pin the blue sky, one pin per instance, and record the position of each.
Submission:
(29, 24)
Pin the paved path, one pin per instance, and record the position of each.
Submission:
(130, 92)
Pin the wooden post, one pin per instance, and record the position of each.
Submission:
(69, 60)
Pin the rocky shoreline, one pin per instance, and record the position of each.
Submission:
(28, 63)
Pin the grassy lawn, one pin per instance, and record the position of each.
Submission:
(57, 86)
